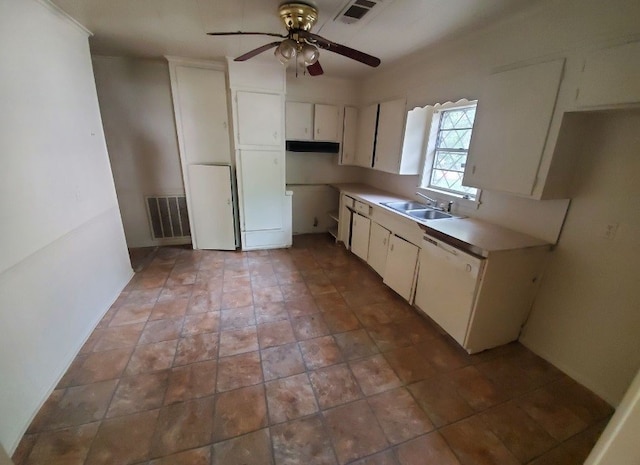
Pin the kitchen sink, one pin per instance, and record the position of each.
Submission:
(405, 206)
(428, 214)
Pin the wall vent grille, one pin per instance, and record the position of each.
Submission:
(168, 216)
(356, 10)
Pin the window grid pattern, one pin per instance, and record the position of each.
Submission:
(451, 148)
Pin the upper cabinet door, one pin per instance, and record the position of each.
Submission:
(299, 121)
(259, 119)
(326, 125)
(611, 77)
(202, 113)
(391, 119)
(512, 122)
(349, 136)
(367, 120)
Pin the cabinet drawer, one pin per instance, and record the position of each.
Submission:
(348, 201)
(362, 208)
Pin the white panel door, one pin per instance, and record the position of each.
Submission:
(325, 122)
(262, 186)
(203, 115)
(299, 121)
(511, 126)
(401, 266)
(367, 119)
(378, 247)
(360, 227)
(390, 130)
(349, 135)
(259, 119)
(211, 207)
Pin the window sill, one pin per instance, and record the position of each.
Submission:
(460, 203)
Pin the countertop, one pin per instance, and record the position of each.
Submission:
(477, 236)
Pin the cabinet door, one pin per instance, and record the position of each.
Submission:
(378, 246)
(611, 77)
(391, 119)
(367, 120)
(401, 266)
(360, 227)
(202, 116)
(344, 226)
(325, 122)
(262, 189)
(349, 134)
(512, 121)
(299, 120)
(259, 119)
(211, 207)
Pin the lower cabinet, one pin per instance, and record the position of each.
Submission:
(378, 247)
(360, 227)
(399, 272)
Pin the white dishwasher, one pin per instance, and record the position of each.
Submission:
(447, 284)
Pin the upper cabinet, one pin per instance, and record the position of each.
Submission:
(259, 119)
(308, 121)
(390, 129)
(611, 76)
(511, 127)
(349, 135)
(366, 138)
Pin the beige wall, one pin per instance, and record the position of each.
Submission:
(586, 319)
(63, 257)
(137, 111)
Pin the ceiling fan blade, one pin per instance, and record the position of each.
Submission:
(238, 33)
(341, 49)
(315, 69)
(256, 51)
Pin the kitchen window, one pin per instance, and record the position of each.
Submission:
(449, 139)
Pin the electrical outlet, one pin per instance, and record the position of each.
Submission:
(609, 230)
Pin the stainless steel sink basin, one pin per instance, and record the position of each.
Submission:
(428, 214)
(405, 206)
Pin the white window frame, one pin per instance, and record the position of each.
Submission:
(425, 178)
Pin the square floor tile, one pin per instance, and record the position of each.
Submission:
(63, 447)
(118, 337)
(334, 385)
(191, 382)
(340, 321)
(237, 318)
(82, 404)
(275, 334)
(239, 411)
(440, 400)
(161, 330)
(374, 375)
(208, 322)
(236, 299)
(197, 348)
(282, 361)
(265, 295)
(409, 364)
(356, 344)
(139, 393)
(238, 341)
(400, 417)
(100, 366)
(152, 357)
(199, 456)
(382, 458)
(309, 326)
(274, 311)
(429, 449)
(474, 444)
(290, 398)
(239, 371)
(123, 440)
(183, 426)
(479, 392)
(303, 441)
(320, 352)
(250, 449)
(301, 306)
(354, 431)
(169, 309)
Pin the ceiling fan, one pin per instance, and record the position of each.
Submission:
(299, 42)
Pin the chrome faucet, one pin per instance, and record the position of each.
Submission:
(434, 202)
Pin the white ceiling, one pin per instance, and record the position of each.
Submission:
(393, 28)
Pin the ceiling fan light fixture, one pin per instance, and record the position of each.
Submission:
(310, 54)
(286, 50)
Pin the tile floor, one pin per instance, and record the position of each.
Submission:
(297, 356)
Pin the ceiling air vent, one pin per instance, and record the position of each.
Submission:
(356, 10)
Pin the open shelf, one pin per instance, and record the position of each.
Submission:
(334, 232)
(334, 215)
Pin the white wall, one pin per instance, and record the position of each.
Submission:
(563, 324)
(137, 111)
(63, 257)
(586, 319)
(308, 173)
